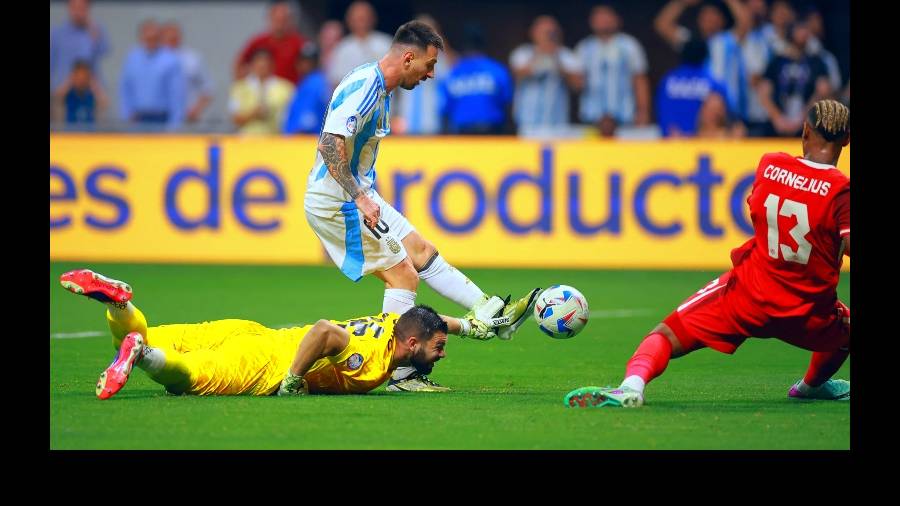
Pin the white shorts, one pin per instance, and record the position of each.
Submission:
(354, 247)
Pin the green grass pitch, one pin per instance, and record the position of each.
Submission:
(507, 394)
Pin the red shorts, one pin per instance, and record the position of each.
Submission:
(721, 316)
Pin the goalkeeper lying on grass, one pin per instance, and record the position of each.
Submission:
(240, 357)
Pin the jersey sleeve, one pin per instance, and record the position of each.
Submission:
(351, 101)
(570, 63)
(637, 58)
(842, 212)
(520, 57)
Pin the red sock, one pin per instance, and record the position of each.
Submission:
(651, 358)
(823, 365)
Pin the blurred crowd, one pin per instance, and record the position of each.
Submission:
(755, 76)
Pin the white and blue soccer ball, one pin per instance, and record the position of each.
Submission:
(561, 311)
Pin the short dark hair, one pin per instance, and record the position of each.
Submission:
(830, 119)
(310, 51)
(81, 64)
(473, 37)
(694, 51)
(419, 34)
(261, 50)
(421, 321)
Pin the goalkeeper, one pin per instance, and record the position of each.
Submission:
(240, 357)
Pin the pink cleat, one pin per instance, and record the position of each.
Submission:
(116, 375)
(98, 287)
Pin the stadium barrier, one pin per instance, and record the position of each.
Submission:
(499, 202)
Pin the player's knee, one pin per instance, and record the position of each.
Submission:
(407, 276)
(422, 253)
(427, 251)
(666, 331)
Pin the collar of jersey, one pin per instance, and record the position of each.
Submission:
(380, 76)
(815, 165)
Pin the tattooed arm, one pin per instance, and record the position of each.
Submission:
(334, 152)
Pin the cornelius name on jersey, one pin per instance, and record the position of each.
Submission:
(796, 181)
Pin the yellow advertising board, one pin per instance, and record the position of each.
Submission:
(500, 202)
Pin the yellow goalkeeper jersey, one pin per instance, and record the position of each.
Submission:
(241, 357)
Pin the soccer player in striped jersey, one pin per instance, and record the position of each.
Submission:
(241, 357)
(545, 71)
(362, 233)
(784, 280)
(615, 68)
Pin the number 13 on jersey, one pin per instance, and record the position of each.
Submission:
(788, 208)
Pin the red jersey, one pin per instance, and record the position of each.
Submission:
(800, 211)
(285, 51)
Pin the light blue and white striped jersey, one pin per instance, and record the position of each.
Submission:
(757, 54)
(542, 99)
(726, 64)
(359, 111)
(776, 43)
(610, 68)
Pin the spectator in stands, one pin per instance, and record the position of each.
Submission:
(710, 21)
(616, 87)
(153, 88)
(477, 94)
(281, 40)
(683, 91)
(781, 15)
(330, 35)
(726, 54)
(714, 122)
(258, 102)
(418, 111)
(757, 53)
(79, 38)
(545, 72)
(199, 82)
(307, 110)
(80, 98)
(363, 44)
(793, 82)
(813, 19)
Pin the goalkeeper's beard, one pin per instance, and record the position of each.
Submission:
(421, 363)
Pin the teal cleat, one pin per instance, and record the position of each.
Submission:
(598, 397)
(831, 390)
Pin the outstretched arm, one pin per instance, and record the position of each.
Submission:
(666, 22)
(743, 20)
(469, 326)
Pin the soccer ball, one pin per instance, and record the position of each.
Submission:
(561, 311)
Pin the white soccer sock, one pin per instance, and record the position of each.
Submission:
(449, 282)
(403, 373)
(398, 300)
(120, 312)
(152, 360)
(634, 382)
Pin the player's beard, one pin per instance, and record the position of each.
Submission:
(421, 363)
